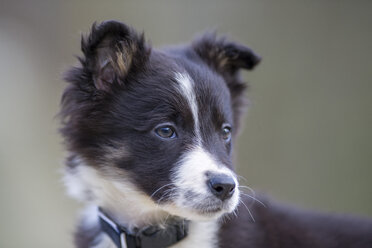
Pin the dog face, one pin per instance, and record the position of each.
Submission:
(157, 126)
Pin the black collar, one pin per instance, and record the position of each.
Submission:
(151, 236)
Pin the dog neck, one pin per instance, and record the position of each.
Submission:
(90, 233)
(129, 209)
(171, 232)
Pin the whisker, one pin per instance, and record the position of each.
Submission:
(235, 212)
(227, 216)
(223, 219)
(248, 210)
(160, 189)
(254, 198)
(166, 193)
(247, 187)
(165, 220)
(241, 177)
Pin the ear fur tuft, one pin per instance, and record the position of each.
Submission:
(227, 58)
(111, 51)
(223, 55)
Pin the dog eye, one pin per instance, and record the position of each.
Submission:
(226, 133)
(166, 132)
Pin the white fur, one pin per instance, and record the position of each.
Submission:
(90, 219)
(186, 87)
(201, 234)
(128, 206)
(191, 175)
(105, 242)
(87, 184)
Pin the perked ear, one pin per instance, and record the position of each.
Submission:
(227, 58)
(112, 50)
(224, 56)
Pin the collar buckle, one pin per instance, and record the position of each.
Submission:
(149, 237)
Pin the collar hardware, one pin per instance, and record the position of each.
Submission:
(148, 237)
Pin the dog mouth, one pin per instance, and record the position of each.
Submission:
(209, 210)
(206, 206)
(196, 206)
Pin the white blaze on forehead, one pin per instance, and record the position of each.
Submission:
(186, 87)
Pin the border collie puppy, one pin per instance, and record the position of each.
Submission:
(150, 135)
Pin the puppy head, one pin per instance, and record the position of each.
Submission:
(156, 126)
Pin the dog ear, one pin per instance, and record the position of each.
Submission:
(227, 58)
(224, 56)
(111, 51)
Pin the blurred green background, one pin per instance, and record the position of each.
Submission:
(307, 137)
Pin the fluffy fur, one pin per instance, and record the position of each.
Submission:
(150, 136)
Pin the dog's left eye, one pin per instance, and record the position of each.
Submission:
(226, 133)
(166, 132)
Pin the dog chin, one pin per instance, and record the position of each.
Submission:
(201, 213)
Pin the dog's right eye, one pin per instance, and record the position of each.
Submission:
(226, 133)
(166, 132)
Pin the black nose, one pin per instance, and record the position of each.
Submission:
(222, 186)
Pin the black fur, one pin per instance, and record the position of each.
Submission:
(123, 89)
(278, 226)
(108, 115)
